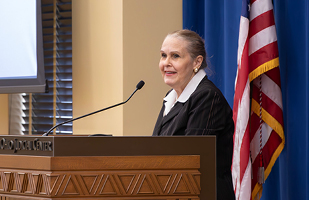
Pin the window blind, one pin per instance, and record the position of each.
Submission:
(41, 111)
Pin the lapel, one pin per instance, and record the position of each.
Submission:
(173, 112)
(163, 120)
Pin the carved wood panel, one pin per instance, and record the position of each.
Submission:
(142, 184)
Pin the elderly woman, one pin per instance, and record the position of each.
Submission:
(195, 106)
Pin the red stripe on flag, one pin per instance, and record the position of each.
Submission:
(243, 72)
(254, 125)
(261, 22)
(270, 147)
(263, 55)
(244, 153)
(274, 75)
(271, 107)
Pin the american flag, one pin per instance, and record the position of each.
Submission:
(257, 111)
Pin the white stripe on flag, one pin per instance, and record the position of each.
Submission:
(272, 90)
(262, 39)
(255, 142)
(243, 35)
(245, 188)
(240, 128)
(259, 7)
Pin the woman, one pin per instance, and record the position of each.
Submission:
(195, 106)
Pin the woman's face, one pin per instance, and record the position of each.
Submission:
(176, 64)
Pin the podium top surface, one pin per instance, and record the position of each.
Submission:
(104, 145)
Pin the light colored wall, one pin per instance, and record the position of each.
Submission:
(116, 44)
(97, 65)
(4, 114)
(145, 25)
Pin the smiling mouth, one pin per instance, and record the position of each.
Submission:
(170, 73)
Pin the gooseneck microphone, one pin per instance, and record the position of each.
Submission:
(138, 87)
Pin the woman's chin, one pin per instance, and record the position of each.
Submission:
(169, 82)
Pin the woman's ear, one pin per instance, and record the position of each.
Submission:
(198, 61)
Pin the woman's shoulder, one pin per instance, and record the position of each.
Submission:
(206, 86)
(208, 90)
(207, 94)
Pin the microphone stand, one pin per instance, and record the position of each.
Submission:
(139, 86)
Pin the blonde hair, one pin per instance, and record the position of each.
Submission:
(196, 45)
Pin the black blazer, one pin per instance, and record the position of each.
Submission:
(206, 112)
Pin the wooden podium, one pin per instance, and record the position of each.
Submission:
(109, 168)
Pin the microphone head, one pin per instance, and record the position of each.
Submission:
(140, 85)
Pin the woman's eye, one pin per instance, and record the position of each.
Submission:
(175, 56)
(163, 55)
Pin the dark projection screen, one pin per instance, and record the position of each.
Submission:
(21, 47)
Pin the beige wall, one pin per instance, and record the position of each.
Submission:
(145, 24)
(97, 65)
(4, 114)
(116, 44)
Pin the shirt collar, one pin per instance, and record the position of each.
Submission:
(189, 89)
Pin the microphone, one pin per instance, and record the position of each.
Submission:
(138, 87)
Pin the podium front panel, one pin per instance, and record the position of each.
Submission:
(82, 167)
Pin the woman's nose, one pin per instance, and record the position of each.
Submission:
(166, 61)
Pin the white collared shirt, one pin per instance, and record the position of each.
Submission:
(171, 98)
